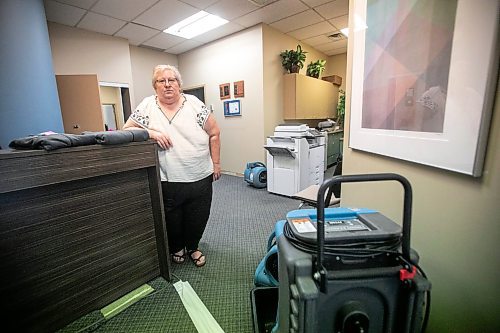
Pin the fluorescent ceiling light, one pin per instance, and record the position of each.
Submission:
(195, 25)
(345, 32)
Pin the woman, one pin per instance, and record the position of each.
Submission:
(189, 157)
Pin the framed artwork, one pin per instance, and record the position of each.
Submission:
(225, 91)
(239, 89)
(232, 108)
(423, 82)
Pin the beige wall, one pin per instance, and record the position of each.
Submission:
(274, 42)
(336, 65)
(77, 51)
(142, 62)
(455, 226)
(251, 55)
(234, 58)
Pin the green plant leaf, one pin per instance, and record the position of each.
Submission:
(315, 68)
(293, 58)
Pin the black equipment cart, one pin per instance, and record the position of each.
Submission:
(350, 270)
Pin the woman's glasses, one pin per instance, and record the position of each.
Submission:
(170, 81)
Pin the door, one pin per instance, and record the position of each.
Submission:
(80, 103)
(109, 117)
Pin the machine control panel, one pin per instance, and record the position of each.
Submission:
(344, 225)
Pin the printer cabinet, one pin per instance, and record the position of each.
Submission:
(306, 97)
(79, 228)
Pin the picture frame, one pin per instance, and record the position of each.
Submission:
(225, 91)
(239, 89)
(232, 108)
(403, 106)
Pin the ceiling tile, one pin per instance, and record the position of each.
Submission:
(183, 47)
(201, 4)
(272, 13)
(141, 22)
(314, 3)
(340, 44)
(135, 33)
(100, 23)
(122, 9)
(317, 40)
(313, 30)
(332, 45)
(333, 9)
(85, 4)
(297, 21)
(63, 14)
(340, 22)
(164, 41)
(230, 9)
(223, 30)
(336, 51)
(165, 13)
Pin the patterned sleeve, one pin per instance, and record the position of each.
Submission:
(141, 113)
(202, 112)
(202, 116)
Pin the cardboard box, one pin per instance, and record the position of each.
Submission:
(335, 79)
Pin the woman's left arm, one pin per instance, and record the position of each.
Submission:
(213, 132)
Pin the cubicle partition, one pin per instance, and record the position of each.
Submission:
(79, 228)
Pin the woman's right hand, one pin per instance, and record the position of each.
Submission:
(163, 139)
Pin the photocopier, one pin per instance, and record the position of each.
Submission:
(295, 158)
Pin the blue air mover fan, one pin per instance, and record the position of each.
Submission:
(256, 174)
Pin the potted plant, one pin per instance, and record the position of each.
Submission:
(341, 109)
(293, 60)
(314, 69)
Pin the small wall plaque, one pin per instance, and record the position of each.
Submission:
(225, 91)
(239, 89)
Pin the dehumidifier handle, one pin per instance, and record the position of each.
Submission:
(257, 164)
(356, 179)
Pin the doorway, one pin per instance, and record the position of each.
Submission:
(196, 91)
(115, 96)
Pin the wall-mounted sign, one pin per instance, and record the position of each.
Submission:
(232, 108)
(239, 89)
(225, 91)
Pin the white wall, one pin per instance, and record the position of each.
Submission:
(234, 58)
(455, 226)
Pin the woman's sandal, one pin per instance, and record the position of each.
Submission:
(198, 261)
(179, 257)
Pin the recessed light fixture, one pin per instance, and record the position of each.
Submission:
(195, 25)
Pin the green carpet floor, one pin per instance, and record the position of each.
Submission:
(234, 242)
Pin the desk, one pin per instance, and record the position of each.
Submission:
(79, 228)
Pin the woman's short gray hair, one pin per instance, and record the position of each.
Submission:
(161, 68)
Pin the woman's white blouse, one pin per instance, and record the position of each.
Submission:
(188, 160)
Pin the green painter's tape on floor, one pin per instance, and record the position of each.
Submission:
(124, 302)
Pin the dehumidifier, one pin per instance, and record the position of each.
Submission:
(256, 174)
(350, 270)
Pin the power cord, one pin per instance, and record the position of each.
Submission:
(368, 249)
